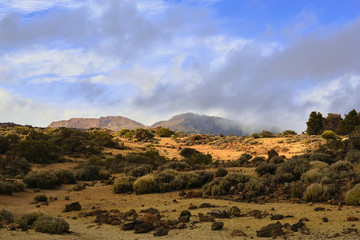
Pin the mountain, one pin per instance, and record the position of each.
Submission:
(114, 123)
(202, 124)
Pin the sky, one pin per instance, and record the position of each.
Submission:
(263, 63)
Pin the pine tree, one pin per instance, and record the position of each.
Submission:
(315, 123)
(349, 123)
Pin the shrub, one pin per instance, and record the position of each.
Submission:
(199, 159)
(188, 152)
(221, 172)
(292, 169)
(254, 185)
(277, 160)
(342, 166)
(319, 164)
(316, 192)
(164, 132)
(266, 134)
(41, 179)
(27, 220)
(40, 197)
(124, 185)
(140, 171)
(297, 189)
(256, 161)
(311, 176)
(353, 196)
(39, 151)
(124, 132)
(222, 186)
(322, 157)
(353, 156)
(65, 176)
(6, 187)
(48, 224)
(244, 159)
(329, 135)
(143, 134)
(5, 215)
(288, 132)
(176, 165)
(255, 135)
(4, 144)
(13, 165)
(145, 184)
(91, 173)
(266, 168)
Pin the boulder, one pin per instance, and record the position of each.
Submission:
(75, 206)
(217, 225)
(271, 230)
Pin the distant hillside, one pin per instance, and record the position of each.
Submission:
(195, 123)
(113, 123)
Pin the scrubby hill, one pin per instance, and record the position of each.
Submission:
(114, 123)
(195, 123)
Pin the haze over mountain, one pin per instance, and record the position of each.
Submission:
(114, 123)
(195, 123)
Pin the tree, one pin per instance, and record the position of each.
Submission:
(349, 123)
(315, 123)
(332, 122)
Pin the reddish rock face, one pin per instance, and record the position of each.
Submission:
(114, 123)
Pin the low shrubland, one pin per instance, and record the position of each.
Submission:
(41, 179)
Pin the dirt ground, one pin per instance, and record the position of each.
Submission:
(171, 204)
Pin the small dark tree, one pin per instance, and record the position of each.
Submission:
(349, 123)
(332, 122)
(315, 123)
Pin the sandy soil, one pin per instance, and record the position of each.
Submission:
(102, 196)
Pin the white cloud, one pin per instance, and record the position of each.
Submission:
(24, 111)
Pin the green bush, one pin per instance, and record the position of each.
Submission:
(222, 186)
(254, 185)
(353, 196)
(5, 215)
(353, 156)
(288, 133)
(255, 135)
(124, 185)
(329, 135)
(145, 184)
(221, 172)
(39, 151)
(139, 171)
(319, 165)
(4, 144)
(316, 192)
(91, 173)
(143, 134)
(13, 165)
(322, 157)
(65, 176)
(266, 168)
(164, 132)
(176, 165)
(312, 176)
(266, 134)
(27, 220)
(48, 224)
(188, 152)
(40, 197)
(277, 160)
(41, 179)
(342, 166)
(297, 189)
(256, 161)
(292, 169)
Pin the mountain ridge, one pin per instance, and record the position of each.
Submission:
(186, 122)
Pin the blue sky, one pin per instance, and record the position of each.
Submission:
(260, 62)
